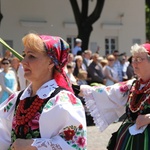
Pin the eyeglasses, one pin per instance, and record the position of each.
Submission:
(5, 63)
(137, 60)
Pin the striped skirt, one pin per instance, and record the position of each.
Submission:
(126, 141)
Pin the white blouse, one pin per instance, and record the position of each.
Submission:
(63, 114)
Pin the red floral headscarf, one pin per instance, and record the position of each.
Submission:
(147, 47)
(57, 49)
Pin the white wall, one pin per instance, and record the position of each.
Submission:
(56, 12)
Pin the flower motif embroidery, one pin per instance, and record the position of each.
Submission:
(81, 142)
(108, 88)
(9, 104)
(48, 105)
(75, 136)
(124, 88)
(100, 90)
(11, 97)
(63, 97)
(34, 123)
(68, 134)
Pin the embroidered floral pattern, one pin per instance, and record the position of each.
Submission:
(48, 105)
(124, 87)
(9, 104)
(75, 136)
(99, 89)
(63, 97)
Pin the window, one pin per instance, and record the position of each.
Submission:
(138, 41)
(10, 43)
(111, 44)
(71, 41)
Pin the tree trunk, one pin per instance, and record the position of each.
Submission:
(1, 16)
(84, 21)
(84, 33)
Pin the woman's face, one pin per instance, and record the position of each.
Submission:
(79, 62)
(141, 65)
(36, 66)
(5, 64)
(111, 61)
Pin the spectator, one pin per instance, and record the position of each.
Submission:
(8, 80)
(8, 54)
(1, 69)
(78, 65)
(18, 68)
(77, 50)
(117, 65)
(109, 72)
(124, 64)
(103, 61)
(87, 58)
(95, 71)
(70, 75)
(82, 77)
(130, 70)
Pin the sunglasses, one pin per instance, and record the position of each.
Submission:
(5, 63)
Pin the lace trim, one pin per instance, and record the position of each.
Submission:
(99, 120)
(45, 144)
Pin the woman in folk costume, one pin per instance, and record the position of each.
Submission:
(107, 104)
(46, 115)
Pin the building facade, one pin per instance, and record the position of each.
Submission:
(121, 24)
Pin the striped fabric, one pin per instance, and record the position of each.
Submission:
(126, 141)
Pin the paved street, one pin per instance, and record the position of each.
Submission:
(98, 140)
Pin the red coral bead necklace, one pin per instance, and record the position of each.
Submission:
(135, 105)
(25, 115)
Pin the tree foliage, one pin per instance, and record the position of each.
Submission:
(84, 21)
(147, 19)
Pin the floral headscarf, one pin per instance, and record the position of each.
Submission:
(147, 47)
(57, 49)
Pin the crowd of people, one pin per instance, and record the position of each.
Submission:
(90, 68)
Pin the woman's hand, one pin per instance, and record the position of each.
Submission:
(23, 144)
(142, 120)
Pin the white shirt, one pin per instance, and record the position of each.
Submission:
(63, 112)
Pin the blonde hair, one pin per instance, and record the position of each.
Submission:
(81, 74)
(110, 57)
(34, 42)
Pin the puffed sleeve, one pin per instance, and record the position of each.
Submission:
(62, 124)
(6, 116)
(106, 104)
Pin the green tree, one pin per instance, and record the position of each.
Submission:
(84, 21)
(147, 20)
